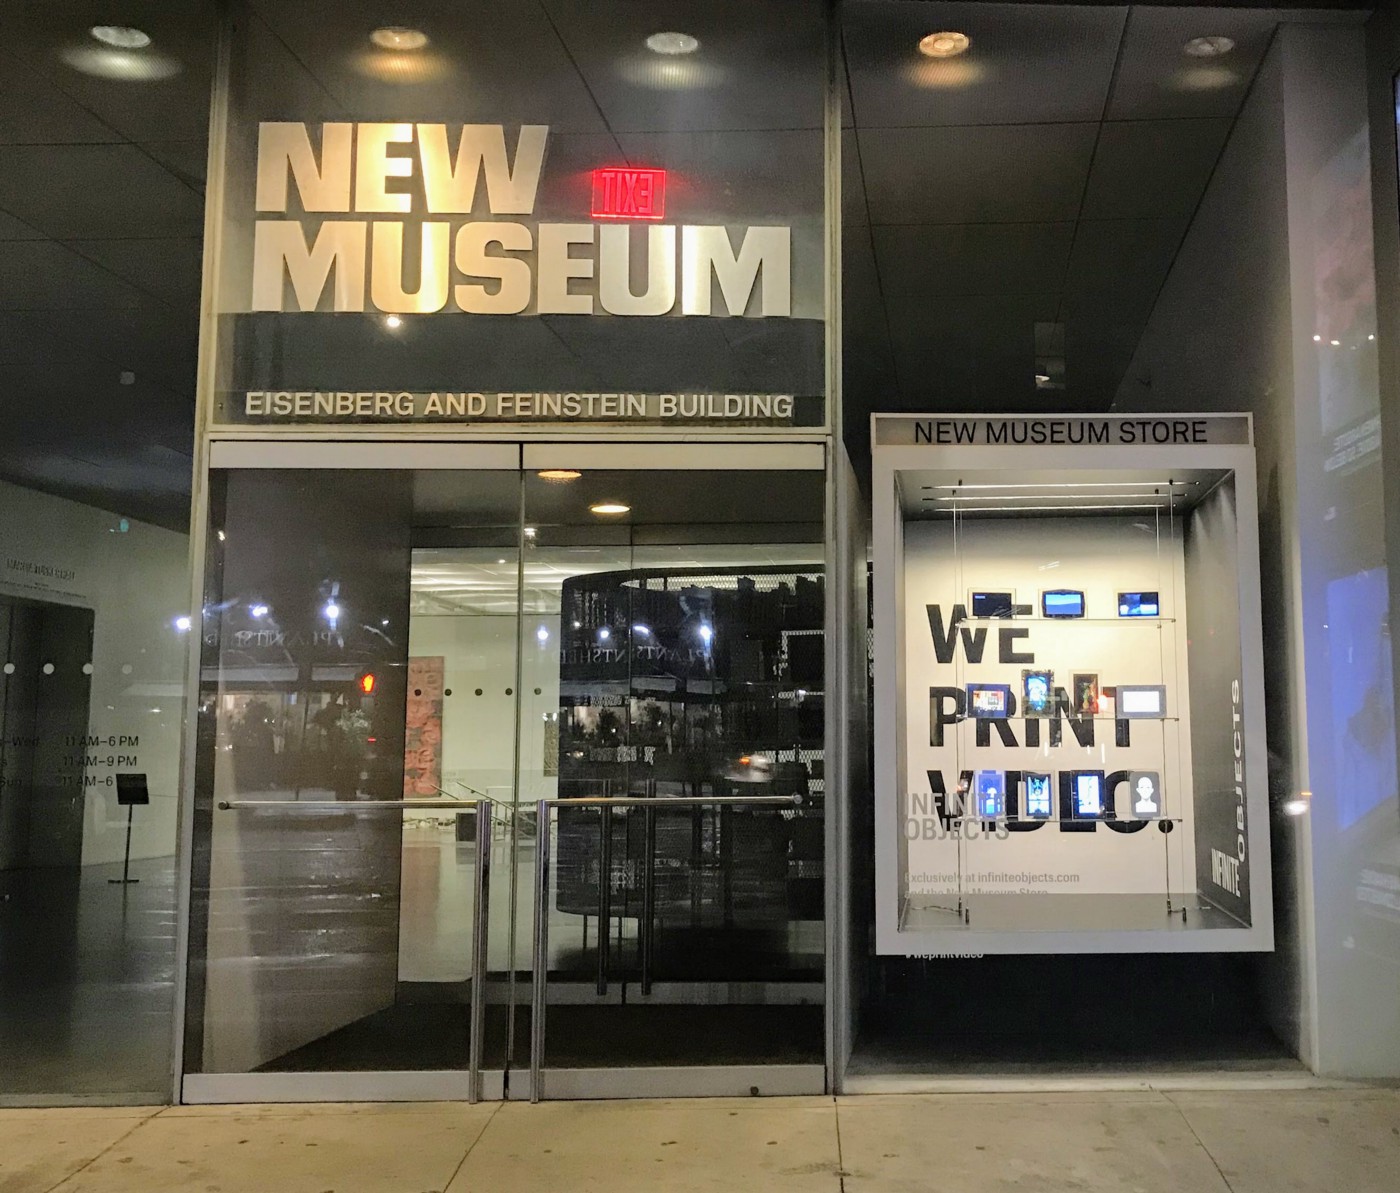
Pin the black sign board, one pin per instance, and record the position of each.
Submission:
(132, 789)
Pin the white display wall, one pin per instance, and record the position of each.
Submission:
(1100, 557)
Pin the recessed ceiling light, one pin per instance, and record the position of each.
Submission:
(947, 44)
(1208, 47)
(609, 507)
(123, 37)
(393, 321)
(142, 63)
(558, 475)
(397, 37)
(672, 43)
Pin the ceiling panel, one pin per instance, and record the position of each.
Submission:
(43, 275)
(1157, 78)
(1153, 168)
(1026, 64)
(187, 160)
(854, 212)
(919, 260)
(34, 111)
(93, 191)
(1111, 256)
(15, 229)
(165, 269)
(862, 301)
(930, 381)
(968, 326)
(148, 338)
(1006, 174)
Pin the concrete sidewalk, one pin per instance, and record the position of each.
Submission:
(1143, 1142)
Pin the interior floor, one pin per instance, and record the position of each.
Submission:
(418, 1037)
(87, 970)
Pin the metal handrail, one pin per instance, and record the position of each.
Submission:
(481, 809)
(346, 805)
(666, 801)
(540, 958)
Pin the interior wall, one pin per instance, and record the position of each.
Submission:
(133, 576)
(1270, 308)
(478, 731)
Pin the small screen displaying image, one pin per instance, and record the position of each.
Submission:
(1062, 602)
(1145, 790)
(990, 789)
(992, 604)
(1141, 700)
(1086, 694)
(1037, 693)
(1138, 604)
(1038, 802)
(989, 699)
(1087, 791)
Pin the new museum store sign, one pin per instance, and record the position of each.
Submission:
(396, 221)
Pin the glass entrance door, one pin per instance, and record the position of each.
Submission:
(421, 664)
(678, 940)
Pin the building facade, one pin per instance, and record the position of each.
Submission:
(784, 548)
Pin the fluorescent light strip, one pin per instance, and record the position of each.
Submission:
(1051, 497)
(1059, 509)
(1170, 484)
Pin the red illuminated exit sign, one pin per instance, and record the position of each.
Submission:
(627, 194)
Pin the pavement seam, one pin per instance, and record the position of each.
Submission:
(471, 1147)
(1175, 1105)
(840, 1154)
(122, 1138)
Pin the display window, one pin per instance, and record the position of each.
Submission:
(1067, 687)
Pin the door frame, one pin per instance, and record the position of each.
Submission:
(285, 450)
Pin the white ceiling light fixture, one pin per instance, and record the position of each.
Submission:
(1210, 46)
(609, 507)
(946, 44)
(140, 62)
(558, 476)
(121, 37)
(399, 37)
(671, 43)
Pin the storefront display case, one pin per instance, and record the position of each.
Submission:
(1069, 722)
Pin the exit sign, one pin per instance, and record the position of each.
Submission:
(627, 194)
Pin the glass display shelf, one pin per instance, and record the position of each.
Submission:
(1070, 620)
